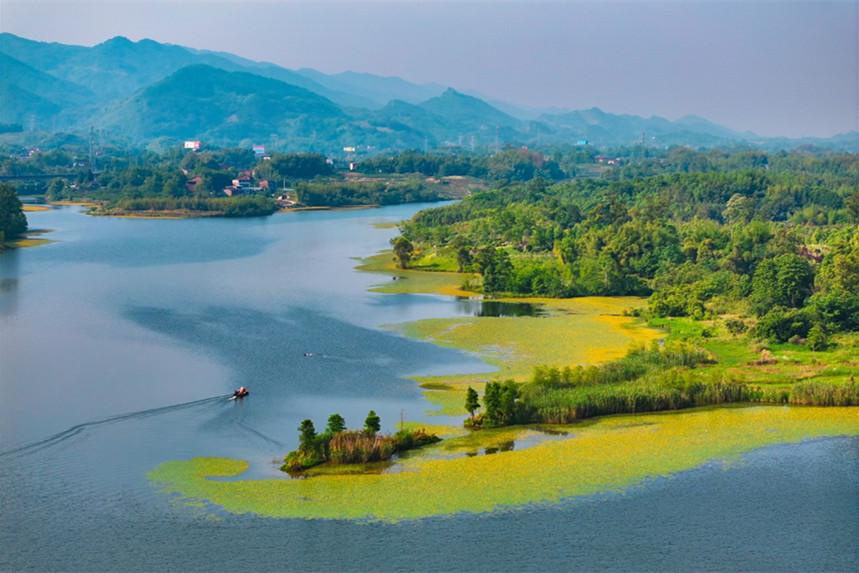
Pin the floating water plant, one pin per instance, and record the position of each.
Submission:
(608, 454)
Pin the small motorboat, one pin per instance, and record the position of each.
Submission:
(240, 393)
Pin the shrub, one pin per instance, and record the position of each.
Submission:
(780, 324)
(817, 339)
(736, 326)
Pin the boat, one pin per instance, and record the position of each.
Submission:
(240, 393)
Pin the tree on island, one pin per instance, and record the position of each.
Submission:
(13, 221)
(307, 436)
(336, 424)
(500, 405)
(471, 401)
(403, 251)
(373, 423)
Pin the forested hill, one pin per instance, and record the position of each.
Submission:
(779, 241)
(144, 93)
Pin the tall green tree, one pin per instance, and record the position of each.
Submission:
(336, 424)
(13, 221)
(372, 424)
(786, 280)
(403, 251)
(307, 436)
(795, 279)
(471, 401)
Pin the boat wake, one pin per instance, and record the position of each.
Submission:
(251, 432)
(80, 428)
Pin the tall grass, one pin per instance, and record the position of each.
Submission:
(650, 380)
(356, 447)
(671, 390)
(359, 447)
(638, 362)
(818, 393)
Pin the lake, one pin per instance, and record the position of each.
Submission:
(122, 339)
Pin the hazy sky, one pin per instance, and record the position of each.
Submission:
(775, 68)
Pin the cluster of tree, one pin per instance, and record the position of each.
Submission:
(649, 162)
(13, 221)
(292, 166)
(342, 194)
(338, 445)
(509, 164)
(195, 181)
(501, 406)
(782, 244)
(241, 206)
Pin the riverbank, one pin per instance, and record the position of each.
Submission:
(29, 239)
(562, 332)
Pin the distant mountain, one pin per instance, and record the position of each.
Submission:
(376, 90)
(34, 98)
(467, 111)
(144, 91)
(120, 67)
(203, 102)
(111, 69)
(603, 128)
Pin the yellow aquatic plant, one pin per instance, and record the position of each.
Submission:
(598, 456)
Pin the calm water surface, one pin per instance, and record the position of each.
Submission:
(121, 340)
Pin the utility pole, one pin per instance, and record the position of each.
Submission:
(92, 149)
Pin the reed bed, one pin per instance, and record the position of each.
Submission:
(359, 447)
(652, 380)
(820, 393)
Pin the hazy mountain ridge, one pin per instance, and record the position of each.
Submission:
(143, 91)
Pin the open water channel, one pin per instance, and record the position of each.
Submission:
(120, 341)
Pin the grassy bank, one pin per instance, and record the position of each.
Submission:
(573, 333)
(399, 281)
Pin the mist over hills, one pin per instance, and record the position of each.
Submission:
(145, 93)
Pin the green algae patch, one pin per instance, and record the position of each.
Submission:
(586, 330)
(573, 331)
(608, 454)
(406, 281)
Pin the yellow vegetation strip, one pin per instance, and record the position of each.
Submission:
(574, 331)
(606, 455)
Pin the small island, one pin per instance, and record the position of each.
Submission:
(339, 446)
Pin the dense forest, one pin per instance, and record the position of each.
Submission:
(762, 246)
(781, 242)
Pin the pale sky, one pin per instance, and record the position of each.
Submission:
(774, 68)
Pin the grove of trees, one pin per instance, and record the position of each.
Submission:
(13, 221)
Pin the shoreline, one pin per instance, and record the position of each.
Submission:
(600, 454)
